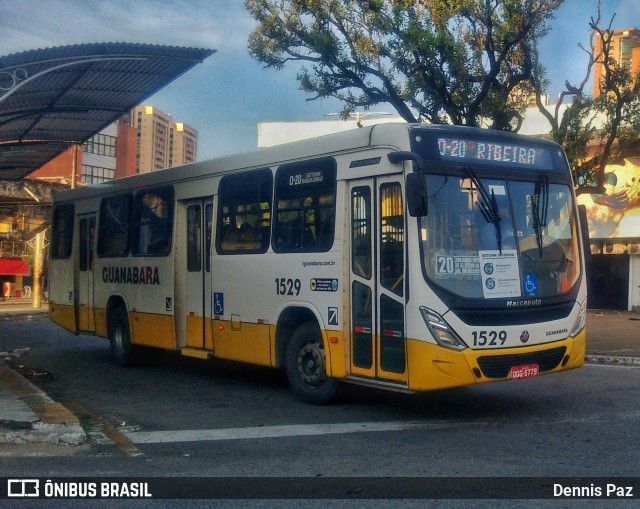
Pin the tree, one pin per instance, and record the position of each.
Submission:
(611, 121)
(619, 100)
(466, 62)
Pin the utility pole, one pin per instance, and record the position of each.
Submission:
(38, 263)
(74, 165)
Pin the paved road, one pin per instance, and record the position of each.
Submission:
(182, 417)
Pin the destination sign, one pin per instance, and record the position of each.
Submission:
(493, 152)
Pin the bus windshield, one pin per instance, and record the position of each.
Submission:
(487, 238)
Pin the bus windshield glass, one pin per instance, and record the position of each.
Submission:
(495, 238)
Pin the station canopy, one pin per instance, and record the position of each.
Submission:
(56, 97)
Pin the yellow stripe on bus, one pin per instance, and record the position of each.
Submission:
(151, 329)
(242, 341)
(63, 315)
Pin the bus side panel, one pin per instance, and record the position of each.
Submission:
(336, 360)
(147, 283)
(61, 293)
(246, 342)
(63, 315)
(150, 329)
(101, 322)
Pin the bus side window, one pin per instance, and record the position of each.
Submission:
(305, 206)
(113, 230)
(244, 214)
(153, 222)
(62, 232)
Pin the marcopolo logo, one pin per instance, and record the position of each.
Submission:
(523, 303)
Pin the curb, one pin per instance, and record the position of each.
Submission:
(55, 425)
(612, 360)
(8, 313)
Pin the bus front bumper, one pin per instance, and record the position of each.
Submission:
(435, 367)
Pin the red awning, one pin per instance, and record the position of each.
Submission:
(13, 267)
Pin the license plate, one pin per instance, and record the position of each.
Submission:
(526, 371)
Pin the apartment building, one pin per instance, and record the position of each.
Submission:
(161, 143)
(184, 144)
(625, 50)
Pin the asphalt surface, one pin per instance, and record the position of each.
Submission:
(28, 415)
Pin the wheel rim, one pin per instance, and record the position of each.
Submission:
(311, 364)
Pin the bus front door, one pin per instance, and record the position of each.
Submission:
(198, 273)
(85, 310)
(377, 279)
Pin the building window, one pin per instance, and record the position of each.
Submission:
(101, 144)
(96, 174)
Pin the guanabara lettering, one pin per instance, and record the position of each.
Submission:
(131, 275)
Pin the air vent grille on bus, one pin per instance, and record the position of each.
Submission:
(498, 366)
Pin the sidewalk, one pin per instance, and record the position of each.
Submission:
(28, 415)
(10, 306)
(613, 337)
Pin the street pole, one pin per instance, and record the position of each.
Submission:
(38, 257)
(74, 165)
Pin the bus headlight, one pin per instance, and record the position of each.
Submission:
(440, 330)
(581, 320)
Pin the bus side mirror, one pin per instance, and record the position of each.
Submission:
(416, 195)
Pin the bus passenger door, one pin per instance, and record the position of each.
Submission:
(198, 273)
(377, 279)
(85, 311)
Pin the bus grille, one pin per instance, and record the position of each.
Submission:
(498, 366)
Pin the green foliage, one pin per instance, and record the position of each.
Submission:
(466, 62)
(596, 131)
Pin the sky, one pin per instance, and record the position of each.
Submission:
(230, 93)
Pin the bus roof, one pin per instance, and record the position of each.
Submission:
(391, 135)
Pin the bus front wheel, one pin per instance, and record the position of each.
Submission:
(119, 337)
(306, 367)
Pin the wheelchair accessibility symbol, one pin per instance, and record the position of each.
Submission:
(530, 284)
(218, 303)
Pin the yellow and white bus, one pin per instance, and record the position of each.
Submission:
(406, 257)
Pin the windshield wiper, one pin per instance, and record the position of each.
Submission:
(488, 205)
(540, 210)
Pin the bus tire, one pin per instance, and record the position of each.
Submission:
(120, 338)
(305, 365)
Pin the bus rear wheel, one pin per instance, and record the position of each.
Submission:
(306, 367)
(120, 338)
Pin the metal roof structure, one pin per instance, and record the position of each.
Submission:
(55, 97)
